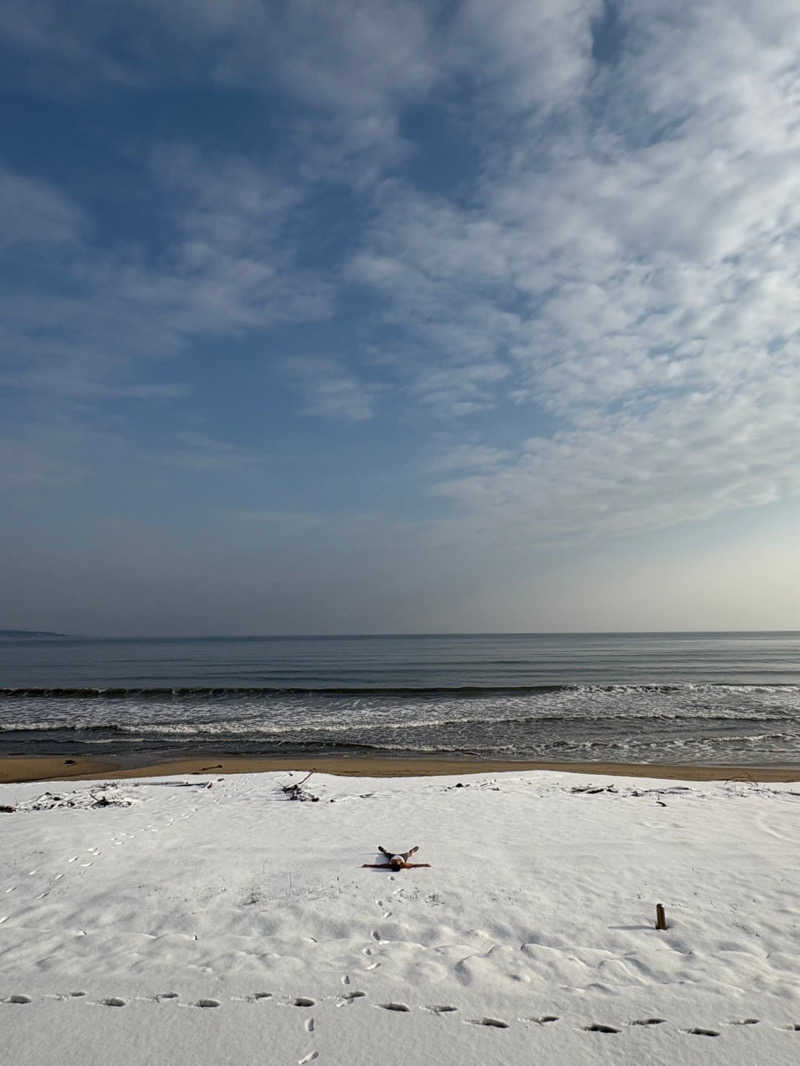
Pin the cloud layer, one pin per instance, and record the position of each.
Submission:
(538, 263)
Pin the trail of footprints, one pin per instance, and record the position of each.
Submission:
(350, 997)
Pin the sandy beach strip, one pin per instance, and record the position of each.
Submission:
(18, 768)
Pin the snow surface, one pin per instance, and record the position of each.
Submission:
(164, 921)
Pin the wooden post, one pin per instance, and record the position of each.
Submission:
(661, 918)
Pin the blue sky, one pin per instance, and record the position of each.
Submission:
(378, 317)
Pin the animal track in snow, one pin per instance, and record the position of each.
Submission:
(598, 1028)
(493, 1023)
(701, 1032)
(207, 1003)
(745, 1021)
(303, 1001)
(442, 1009)
(18, 999)
(308, 1058)
(545, 1018)
(309, 1025)
(350, 996)
(113, 1001)
(648, 1021)
(402, 1007)
(165, 995)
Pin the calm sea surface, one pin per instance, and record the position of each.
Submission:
(677, 697)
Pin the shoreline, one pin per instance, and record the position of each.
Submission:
(15, 769)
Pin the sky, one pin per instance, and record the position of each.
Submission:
(325, 316)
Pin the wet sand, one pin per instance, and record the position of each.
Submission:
(16, 768)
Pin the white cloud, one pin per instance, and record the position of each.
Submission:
(330, 390)
(623, 254)
(635, 273)
(94, 319)
(524, 56)
(34, 214)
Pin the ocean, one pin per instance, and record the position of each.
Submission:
(622, 697)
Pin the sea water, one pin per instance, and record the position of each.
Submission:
(644, 697)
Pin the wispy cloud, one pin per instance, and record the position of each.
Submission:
(329, 389)
(96, 319)
(634, 273)
(556, 244)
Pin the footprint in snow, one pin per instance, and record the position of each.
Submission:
(207, 1003)
(308, 1058)
(402, 1007)
(492, 1023)
(308, 1024)
(18, 999)
(303, 1001)
(442, 1009)
(113, 1001)
(598, 1028)
(648, 1021)
(701, 1032)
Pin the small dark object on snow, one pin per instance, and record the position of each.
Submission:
(396, 860)
(297, 792)
(7, 810)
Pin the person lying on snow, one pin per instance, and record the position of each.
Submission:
(396, 860)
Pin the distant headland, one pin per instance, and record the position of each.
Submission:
(27, 634)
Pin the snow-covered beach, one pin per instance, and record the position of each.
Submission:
(207, 918)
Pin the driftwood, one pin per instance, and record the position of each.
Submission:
(396, 860)
(297, 792)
